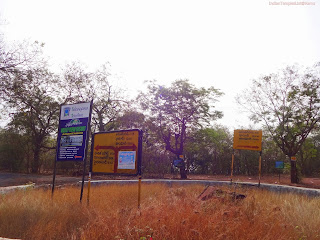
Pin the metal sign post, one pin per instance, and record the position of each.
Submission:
(232, 161)
(89, 185)
(54, 178)
(279, 166)
(260, 168)
(139, 191)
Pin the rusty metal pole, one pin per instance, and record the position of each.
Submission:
(232, 165)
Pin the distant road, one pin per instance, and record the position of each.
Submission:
(14, 179)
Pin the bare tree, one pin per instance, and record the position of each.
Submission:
(83, 85)
(176, 109)
(288, 103)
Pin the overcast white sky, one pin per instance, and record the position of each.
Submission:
(224, 44)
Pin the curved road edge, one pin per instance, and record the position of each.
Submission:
(310, 192)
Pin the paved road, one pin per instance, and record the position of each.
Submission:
(14, 179)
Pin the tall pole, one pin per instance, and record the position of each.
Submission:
(139, 168)
(54, 177)
(86, 150)
(84, 172)
(232, 164)
(89, 185)
(260, 168)
(139, 192)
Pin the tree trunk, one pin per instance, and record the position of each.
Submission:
(36, 160)
(101, 126)
(214, 162)
(294, 176)
(183, 173)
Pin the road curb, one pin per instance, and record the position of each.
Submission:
(5, 190)
(310, 192)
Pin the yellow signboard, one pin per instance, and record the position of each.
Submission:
(247, 140)
(117, 152)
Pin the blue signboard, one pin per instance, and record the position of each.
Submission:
(280, 164)
(178, 162)
(73, 131)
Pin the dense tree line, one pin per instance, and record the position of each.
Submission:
(177, 120)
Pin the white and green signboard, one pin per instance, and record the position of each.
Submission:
(73, 131)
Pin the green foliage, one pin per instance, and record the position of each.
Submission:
(309, 156)
(209, 151)
(13, 148)
(131, 119)
(246, 162)
(156, 161)
(286, 169)
(271, 153)
(35, 111)
(27, 91)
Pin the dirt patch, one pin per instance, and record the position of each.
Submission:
(215, 192)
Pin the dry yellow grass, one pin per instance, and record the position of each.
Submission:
(166, 213)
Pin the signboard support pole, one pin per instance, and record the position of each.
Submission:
(279, 176)
(89, 185)
(232, 164)
(84, 172)
(54, 177)
(139, 192)
(86, 150)
(260, 168)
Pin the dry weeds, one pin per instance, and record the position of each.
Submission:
(166, 213)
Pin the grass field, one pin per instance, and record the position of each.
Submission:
(166, 213)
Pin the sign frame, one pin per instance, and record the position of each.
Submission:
(70, 130)
(117, 150)
(247, 140)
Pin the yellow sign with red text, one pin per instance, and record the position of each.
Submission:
(116, 152)
(247, 140)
